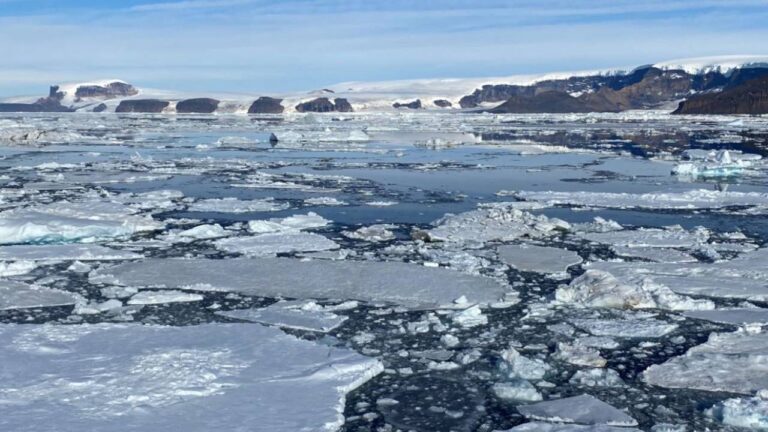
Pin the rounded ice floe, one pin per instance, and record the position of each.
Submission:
(401, 283)
(539, 259)
(157, 378)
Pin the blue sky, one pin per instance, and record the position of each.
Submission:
(274, 46)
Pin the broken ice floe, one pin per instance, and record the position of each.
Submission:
(539, 259)
(584, 409)
(147, 378)
(689, 200)
(19, 295)
(748, 413)
(161, 297)
(234, 205)
(72, 222)
(291, 314)
(396, 282)
(730, 362)
(722, 163)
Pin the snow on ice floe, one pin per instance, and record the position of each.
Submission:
(656, 254)
(324, 201)
(744, 277)
(406, 284)
(748, 413)
(64, 252)
(626, 328)
(372, 233)
(560, 427)
(122, 377)
(689, 200)
(539, 259)
(19, 295)
(234, 205)
(271, 244)
(673, 237)
(729, 362)
(290, 223)
(161, 297)
(584, 409)
(72, 222)
(291, 314)
(204, 232)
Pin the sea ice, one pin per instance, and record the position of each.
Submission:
(125, 377)
(560, 427)
(234, 205)
(290, 314)
(516, 389)
(164, 296)
(19, 295)
(539, 259)
(584, 409)
(396, 282)
(732, 316)
(372, 233)
(626, 328)
(271, 244)
(749, 413)
(730, 362)
(649, 238)
(205, 232)
(64, 252)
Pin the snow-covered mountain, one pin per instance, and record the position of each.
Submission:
(662, 84)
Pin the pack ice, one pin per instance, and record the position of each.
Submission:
(115, 377)
(401, 283)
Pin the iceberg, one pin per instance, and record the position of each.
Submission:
(125, 377)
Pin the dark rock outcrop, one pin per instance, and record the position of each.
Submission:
(319, 105)
(750, 97)
(99, 108)
(197, 106)
(110, 91)
(266, 105)
(410, 105)
(546, 102)
(142, 106)
(342, 105)
(442, 103)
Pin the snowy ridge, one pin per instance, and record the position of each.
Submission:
(722, 64)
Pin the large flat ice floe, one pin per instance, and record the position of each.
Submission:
(538, 259)
(234, 205)
(271, 244)
(406, 284)
(72, 222)
(730, 362)
(114, 377)
(19, 295)
(584, 409)
(64, 252)
(688, 200)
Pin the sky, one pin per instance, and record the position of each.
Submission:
(261, 46)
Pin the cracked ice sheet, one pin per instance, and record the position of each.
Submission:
(18, 295)
(72, 222)
(401, 283)
(117, 377)
(743, 277)
(63, 252)
(731, 362)
(689, 200)
(538, 259)
(271, 244)
(290, 314)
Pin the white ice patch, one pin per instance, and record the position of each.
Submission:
(732, 316)
(18, 295)
(584, 409)
(516, 390)
(64, 252)
(72, 222)
(161, 297)
(270, 244)
(324, 201)
(234, 205)
(749, 413)
(373, 233)
(204, 232)
(649, 238)
(560, 427)
(625, 328)
(113, 377)
(730, 362)
(396, 282)
(290, 314)
(538, 259)
(689, 200)
(654, 254)
(295, 223)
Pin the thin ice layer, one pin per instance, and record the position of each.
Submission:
(122, 377)
(401, 283)
(538, 259)
(688, 200)
(18, 295)
(731, 362)
(290, 314)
